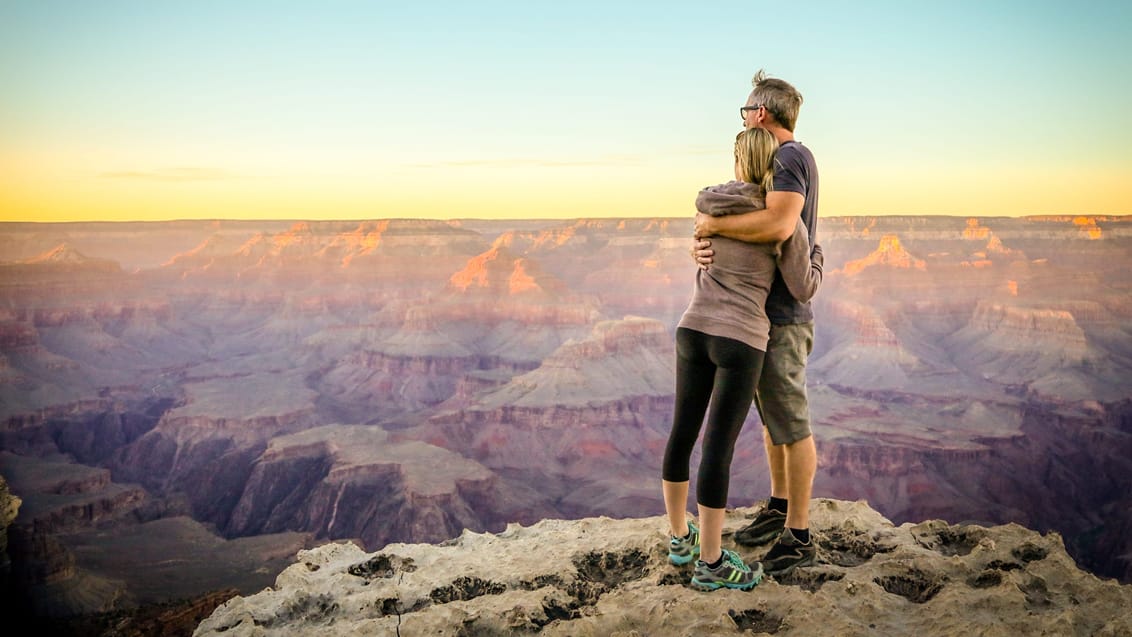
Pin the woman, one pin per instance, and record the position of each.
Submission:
(720, 343)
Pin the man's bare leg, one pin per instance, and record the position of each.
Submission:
(801, 465)
(795, 547)
(776, 460)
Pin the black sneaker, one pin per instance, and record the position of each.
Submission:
(788, 554)
(766, 526)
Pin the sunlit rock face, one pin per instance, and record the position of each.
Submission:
(888, 254)
(964, 368)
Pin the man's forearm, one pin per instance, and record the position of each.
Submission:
(759, 226)
(773, 224)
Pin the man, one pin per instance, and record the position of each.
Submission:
(781, 393)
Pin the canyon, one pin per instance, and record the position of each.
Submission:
(245, 389)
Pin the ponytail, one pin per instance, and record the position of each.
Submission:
(754, 155)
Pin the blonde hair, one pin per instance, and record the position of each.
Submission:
(780, 98)
(754, 155)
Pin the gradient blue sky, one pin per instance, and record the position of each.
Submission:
(118, 110)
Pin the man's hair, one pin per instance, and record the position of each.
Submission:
(754, 153)
(780, 98)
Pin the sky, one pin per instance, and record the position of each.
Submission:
(154, 110)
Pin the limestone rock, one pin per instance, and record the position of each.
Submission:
(603, 576)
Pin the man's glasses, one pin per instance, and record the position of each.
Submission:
(743, 110)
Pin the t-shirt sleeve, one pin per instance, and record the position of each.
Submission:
(790, 170)
(799, 265)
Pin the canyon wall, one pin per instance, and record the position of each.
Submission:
(403, 380)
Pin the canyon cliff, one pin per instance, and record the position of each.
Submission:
(268, 386)
(606, 577)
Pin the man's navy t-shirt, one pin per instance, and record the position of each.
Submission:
(794, 171)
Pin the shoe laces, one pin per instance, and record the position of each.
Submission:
(736, 561)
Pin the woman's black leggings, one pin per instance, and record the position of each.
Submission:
(723, 371)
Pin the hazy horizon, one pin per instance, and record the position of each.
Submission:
(505, 110)
(1081, 217)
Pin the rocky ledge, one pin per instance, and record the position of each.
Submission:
(603, 576)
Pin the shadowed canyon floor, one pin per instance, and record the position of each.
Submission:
(250, 388)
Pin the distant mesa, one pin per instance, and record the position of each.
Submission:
(63, 263)
(515, 241)
(622, 358)
(974, 230)
(1088, 228)
(1017, 328)
(247, 407)
(364, 249)
(994, 244)
(352, 481)
(299, 233)
(870, 354)
(363, 240)
(500, 272)
(217, 246)
(62, 253)
(889, 253)
(67, 256)
(1031, 345)
(355, 451)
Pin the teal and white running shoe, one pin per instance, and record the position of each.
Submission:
(731, 573)
(682, 550)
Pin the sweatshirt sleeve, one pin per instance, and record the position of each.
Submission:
(800, 266)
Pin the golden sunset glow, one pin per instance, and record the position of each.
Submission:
(120, 113)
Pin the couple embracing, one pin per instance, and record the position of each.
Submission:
(745, 337)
